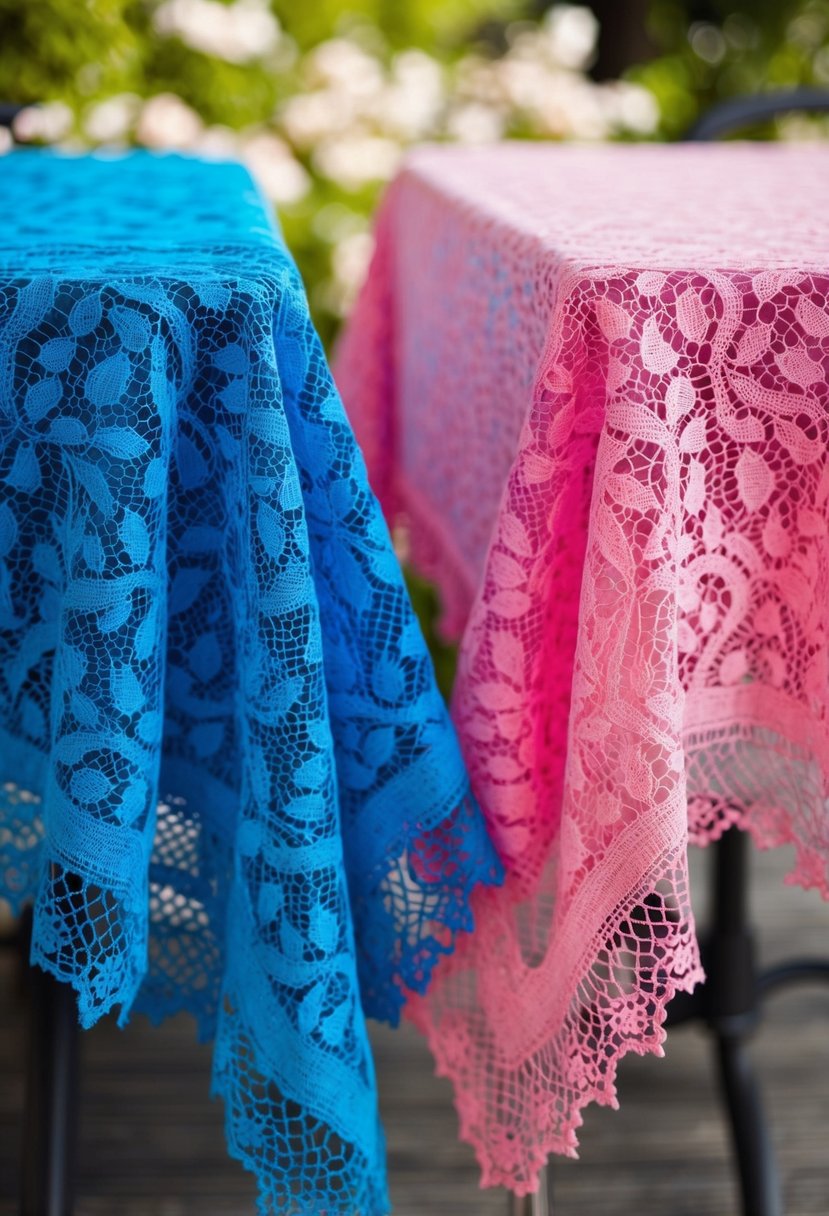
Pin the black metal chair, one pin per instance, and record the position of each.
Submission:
(738, 113)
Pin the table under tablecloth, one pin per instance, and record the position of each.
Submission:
(593, 383)
(228, 780)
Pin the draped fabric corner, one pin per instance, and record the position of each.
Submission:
(228, 780)
(593, 382)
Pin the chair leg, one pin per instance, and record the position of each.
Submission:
(756, 1163)
(539, 1204)
(732, 1005)
(51, 1114)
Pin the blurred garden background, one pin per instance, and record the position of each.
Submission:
(322, 97)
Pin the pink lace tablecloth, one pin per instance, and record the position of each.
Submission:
(595, 381)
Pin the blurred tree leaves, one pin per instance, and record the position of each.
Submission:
(431, 24)
(715, 49)
(71, 50)
(62, 50)
(426, 603)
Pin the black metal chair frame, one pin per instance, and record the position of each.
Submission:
(740, 112)
(52, 1063)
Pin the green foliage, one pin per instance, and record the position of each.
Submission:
(58, 49)
(431, 24)
(228, 93)
(715, 49)
(426, 603)
(75, 50)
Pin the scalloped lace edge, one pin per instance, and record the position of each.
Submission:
(564, 1141)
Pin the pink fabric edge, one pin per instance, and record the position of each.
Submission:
(564, 1141)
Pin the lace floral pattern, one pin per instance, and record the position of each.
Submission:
(624, 353)
(230, 782)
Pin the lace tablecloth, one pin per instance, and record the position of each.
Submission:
(595, 382)
(228, 779)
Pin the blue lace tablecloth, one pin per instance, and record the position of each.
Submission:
(228, 781)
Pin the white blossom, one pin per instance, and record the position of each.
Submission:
(356, 160)
(631, 107)
(308, 118)
(218, 143)
(49, 122)
(475, 123)
(525, 80)
(112, 119)
(6, 141)
(351, 95)
(571, 32)
(282, 178)
(572, 108)
(166, 121)
(412, 100)
(238, 32)
(341, 63)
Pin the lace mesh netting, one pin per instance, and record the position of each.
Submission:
(231, 784)
(595, 383)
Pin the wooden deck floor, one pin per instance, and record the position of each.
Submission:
(152, 1145)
